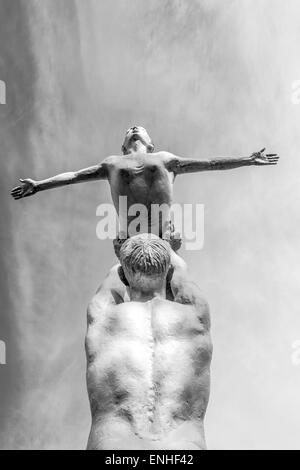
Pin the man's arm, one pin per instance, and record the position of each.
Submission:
(180, 165)
(30, 187)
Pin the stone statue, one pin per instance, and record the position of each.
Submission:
(143, 177)
(148, 360)
(148, 340)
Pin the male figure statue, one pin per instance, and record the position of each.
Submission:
(148, 360)
(144, 177)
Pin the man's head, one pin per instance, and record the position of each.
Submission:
(133, 134)
(145, 260)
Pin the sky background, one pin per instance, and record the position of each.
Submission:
(205, 77)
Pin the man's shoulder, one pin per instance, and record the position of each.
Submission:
(118, 159)
(198, 308)
(164, 155)
(110, 293)
(111, 160)
(170, 305)
(161, 158)
(168, 159)
(176, 318)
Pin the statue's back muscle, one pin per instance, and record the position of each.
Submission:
(152, 365)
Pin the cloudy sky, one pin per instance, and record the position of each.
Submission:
(205, 77)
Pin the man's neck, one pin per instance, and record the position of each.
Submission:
(137, 147)
(144, 296)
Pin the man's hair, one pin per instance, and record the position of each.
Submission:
(146, 254)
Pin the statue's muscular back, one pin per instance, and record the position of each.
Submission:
(142, 178)
(148, 375)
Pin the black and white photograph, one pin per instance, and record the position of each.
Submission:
(150, 247)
